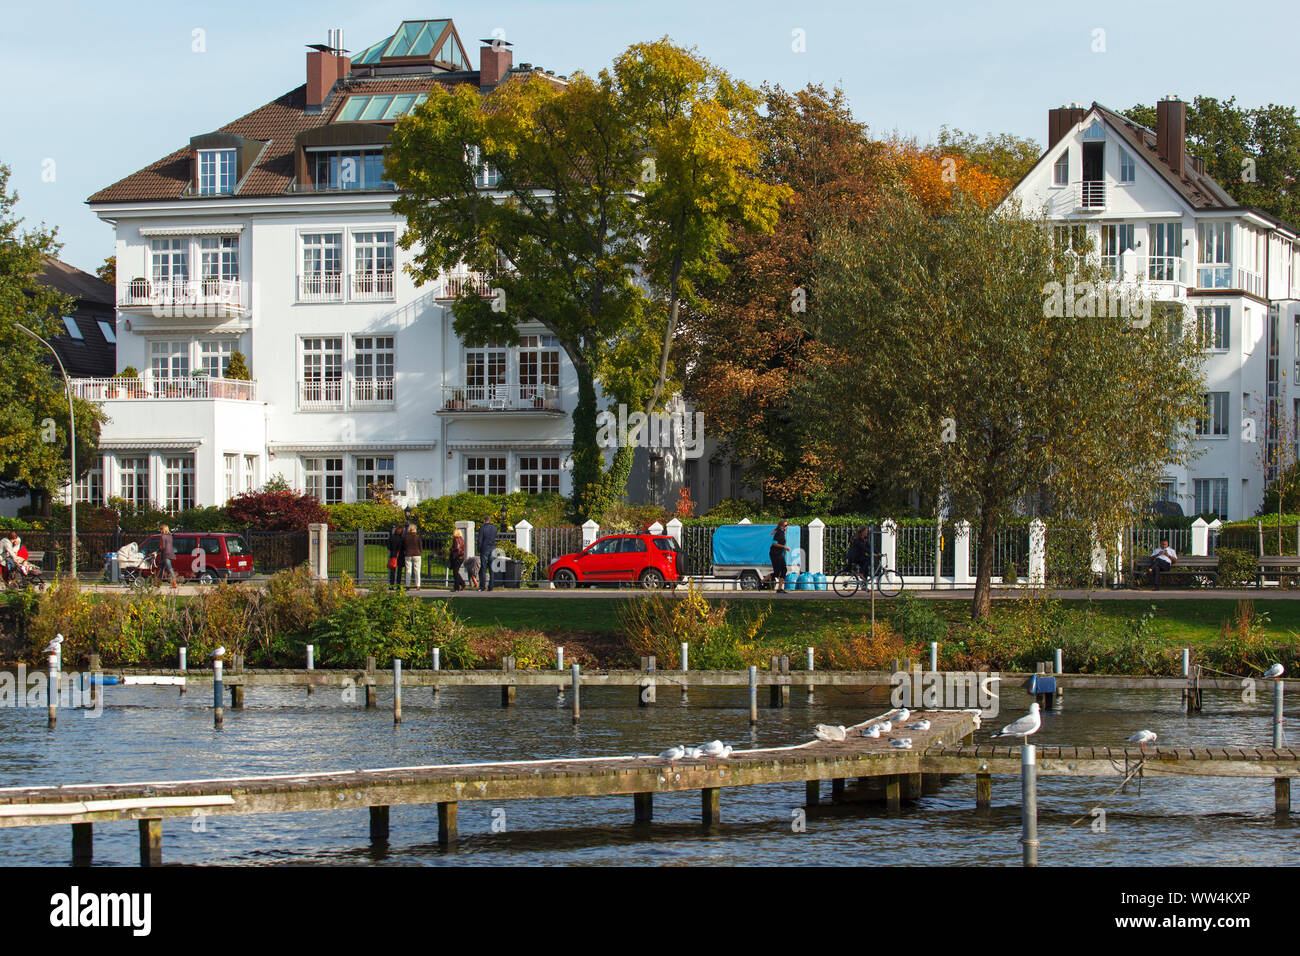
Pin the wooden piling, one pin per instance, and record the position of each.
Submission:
(812, 793)
(773, 688)
(643, 805)
(1029, 805)
(1282, 796)
(180, 655)
(371, 692)
(710, 806)
(911, 786)
(218, 700)
(397, 691)
(893, 792)
(931, 782)
(311, 666)
(95, 680)
(785, 687)
(753, 695)
(983, 791)
(574, 691)
(837, 790)
(53, 712)
(559, 666)
(83, 843)
(507, 690)
(810, 669)
(150, 842)
(646, 690)
(237, 697)
(437, 666)
(379, 824)
(448, 827)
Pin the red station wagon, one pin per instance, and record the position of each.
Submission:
(225, 556)
(651, 560)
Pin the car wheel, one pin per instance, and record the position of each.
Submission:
(652, 579)
(750, 581)
(208, 577)
(564, 578)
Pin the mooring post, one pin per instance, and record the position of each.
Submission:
(96, 680)
(237, 696)
(646, 690)
(753, 695)
(911, 786)
(1282, 796)
(180, 654)
(810, 670)
(437, 666)
(1278, 691)
(397, 690)
(1187, 670)
(812, 793)
(686, 666)
(643, 807)
(150, 842)
(710, 806)
(559, 667)
(774, 688)
(83, 843)
(785, 685)
(574, 689)
(893, 792)
(379, 824)
(507, 690)
(1029, 805)
(934, 656)
(983, 791)
(448, 828)
(53, 688)
(218, 715)
(371, 690)
(311, 666)
(1058, 665)
(837, 789)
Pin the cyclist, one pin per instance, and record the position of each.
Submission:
(859, 556)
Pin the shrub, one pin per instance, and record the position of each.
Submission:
(526, 558)
(659, 624)
(364, 516)
(276, 510)
(917, 620)
(1236, 568)
(875, 648)
(386, 624)
(439, 515)
(531, 649)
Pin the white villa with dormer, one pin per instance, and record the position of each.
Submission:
(1155, 218)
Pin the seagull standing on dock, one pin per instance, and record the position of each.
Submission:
(1142, 738)
(673, 753)
(1024, 727)
(830, 734)
(902, 743)
(219, 652)
(919, 725)
(714, 748)
(872, 731)
(902, 715)
(1274, 672)
(53, 646)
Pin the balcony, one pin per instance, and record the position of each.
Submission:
(321, 287)
(1143, 270)
(468, 283)
(153, 388)
(510, 398)
(1092, 195)
(1251, 282)
(188, 298)
(372, 287)
(373, 392)
(321, 396)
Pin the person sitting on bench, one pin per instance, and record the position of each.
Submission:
(1163, 559)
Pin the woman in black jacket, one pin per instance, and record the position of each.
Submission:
(395, 556)
(777, 555)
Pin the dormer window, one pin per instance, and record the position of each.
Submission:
(1061, 170)
(348, 168)
(218, 171)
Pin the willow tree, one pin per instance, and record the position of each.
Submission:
(610, 194)
(965, 352)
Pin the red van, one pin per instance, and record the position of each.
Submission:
(225, 556)
(650, 560)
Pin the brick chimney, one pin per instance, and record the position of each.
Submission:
(326, 65)
(1171, 132)
(494, 61)
(1061, 120)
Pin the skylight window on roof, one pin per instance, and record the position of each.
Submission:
(451, 52)
(365, 108)
(375, 108)
(110, 336)
(71, 325)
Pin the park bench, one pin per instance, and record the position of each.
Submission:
(1279, 565)
(1202, 570)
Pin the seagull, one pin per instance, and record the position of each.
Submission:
(53, 646)
(694, 753)
(919, 725)
(219, 652)
(885, 726)
(1142, 738)
(714, 748)
(1274, 672)
(673, 753)
(902, 715)
(902, 743)
(1023, 727)
(830, 734)
(872, 731)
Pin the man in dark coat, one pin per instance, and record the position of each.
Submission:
(486, 544)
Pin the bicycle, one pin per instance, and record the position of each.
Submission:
(888, 582)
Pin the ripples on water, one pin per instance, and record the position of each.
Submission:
(150, 733)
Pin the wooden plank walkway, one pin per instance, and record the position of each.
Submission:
(1264, 762)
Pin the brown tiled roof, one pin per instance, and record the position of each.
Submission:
(72, 281)
(279, 121)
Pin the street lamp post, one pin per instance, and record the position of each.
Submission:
(72, 439)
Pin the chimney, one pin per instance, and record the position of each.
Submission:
(1171, 132)
(494, 62)
(326, 65)
(1061, 120)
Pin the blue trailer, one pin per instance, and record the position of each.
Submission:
(741, 551)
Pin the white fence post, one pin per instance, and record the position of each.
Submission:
(674, 528)
(1200, 537)
(889, 544)
(816, 539)
(1216, 526)
(961, 554)
(655, 528)
(524, 535)
(590, 532)
(1037, 552)
(467, 529)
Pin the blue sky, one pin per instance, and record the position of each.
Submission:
(104, 89)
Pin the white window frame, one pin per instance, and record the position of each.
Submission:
(374, 255)
(250, 472)
(163, 362)
(320, 377)
(90, 487)
(536, 469)
(178, 482)
(368, 470)
(214, 356)
(218, 171)
(134, 479)
(317, 250)
(1213, 421)
(232, 477)
(480, 471)
(1211, 493)
(374, 369)
(320, 477)
(1061, 169)
(169, 260)
(1214, 255)
(1127, 167)
(218, 259)
(1214, 327)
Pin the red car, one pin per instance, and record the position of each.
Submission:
(225, 556)
(650, 560)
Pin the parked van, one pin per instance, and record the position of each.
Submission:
(225, 556)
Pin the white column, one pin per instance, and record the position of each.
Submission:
(674, 528)
(524, 535)
(1200, 537)
(467, 529)
(1216, 526)
(889, 544)
(318, 550)
(816, 539)
(1037, 552)
(655, 528)
(590, 532)
(961, 554)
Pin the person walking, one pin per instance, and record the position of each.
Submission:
(486, 544)
(776, 553)
(455, 558)
(395, 556)
(167, 554)
(411, 548)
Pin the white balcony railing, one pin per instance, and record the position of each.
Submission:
(1132, 267)
(154, 387)
(372, 287)
(1251, 282)
(1092, 194)
(502, 397)
(321, 395)
(469, 283)
(219, 295)
(373, 391)
(321, 287)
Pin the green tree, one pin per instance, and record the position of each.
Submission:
(584, 212)
(1003, 155)
(1252, 153)
(951, 367)
(33, 402)
(108, 271)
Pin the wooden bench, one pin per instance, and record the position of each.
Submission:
(1280, 565)
(1199, 567)
(37, 558)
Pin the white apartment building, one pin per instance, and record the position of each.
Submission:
(1155, 218)
(274, 236)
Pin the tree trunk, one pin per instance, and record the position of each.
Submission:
(673, 310)
(984, 568)
(588, 457)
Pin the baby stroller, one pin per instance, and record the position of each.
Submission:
(134, 568)
(22, 573)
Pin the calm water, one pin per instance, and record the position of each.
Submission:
(154, 734)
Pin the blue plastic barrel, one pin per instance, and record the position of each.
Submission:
(819, 582)
(791, 581)
(805, 582)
